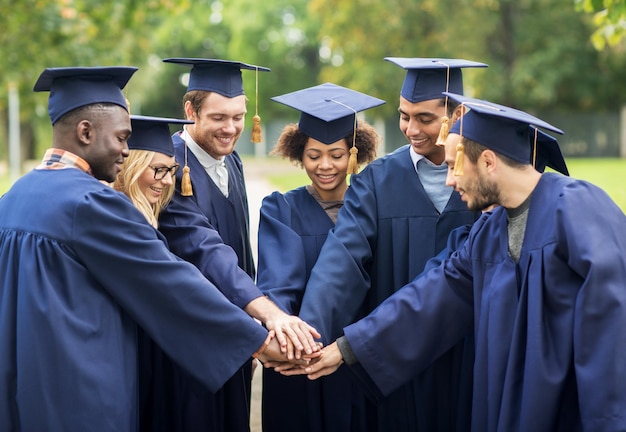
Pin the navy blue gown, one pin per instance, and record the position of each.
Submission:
(292, 230)
(549, 330)
(80, 269)
(212, 232)
(386, 231)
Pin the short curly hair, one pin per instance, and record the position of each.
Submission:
(292, 141)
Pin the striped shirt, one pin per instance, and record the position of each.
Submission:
(55, 158)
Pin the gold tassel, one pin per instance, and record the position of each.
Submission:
(459, 169)
(443, 132)
(256, 120)
(353, 165)
(185, 183)
(256, 129)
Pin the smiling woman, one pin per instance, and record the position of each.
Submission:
(147, 175)
(138, 180)
(327, 142)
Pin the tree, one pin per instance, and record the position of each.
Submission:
(538, 51)
(37, 34)
(609, 17)
(267, 33)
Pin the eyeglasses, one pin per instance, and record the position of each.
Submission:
(161, 172)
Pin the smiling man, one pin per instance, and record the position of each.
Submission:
(207, 224)
(540, 281)
(81, 270)
(397, 214)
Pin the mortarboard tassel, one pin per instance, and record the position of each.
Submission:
(459, 168)
(353, 161)
(185, 182)
(256, 120)
(445, 121)
(256, 129)
(443, 132)
(353, 165)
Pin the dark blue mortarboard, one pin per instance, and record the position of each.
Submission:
(428, 78)
(220, 76)
(153, 134)
(328, 110)
(498, 127)
(548, 152)
(74, 87)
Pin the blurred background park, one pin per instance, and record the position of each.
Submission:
(563, 60)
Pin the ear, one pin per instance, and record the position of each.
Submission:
(190, 113)
(85, 132)
(489, 160)
(458, 112)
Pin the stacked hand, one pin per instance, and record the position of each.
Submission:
(273, 354)
(295, 337)
(325, 362)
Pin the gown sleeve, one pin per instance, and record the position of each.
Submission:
(339, 280)
(281, 255)
(591, 234)
(183, 312)
(416, 324)
(191, 236)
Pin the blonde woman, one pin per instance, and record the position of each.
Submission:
(170, 398)
(147, 178)
(147, 175)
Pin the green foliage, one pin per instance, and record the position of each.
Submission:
(268, 33)
(355, 37)
(539, 51)
(37, 34)
(609, 17)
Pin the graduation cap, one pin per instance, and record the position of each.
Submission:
(74, 87)
(153, 134)
(548, 153)
(429, 78)
(498, 127)
(214, 75)
(328, 113)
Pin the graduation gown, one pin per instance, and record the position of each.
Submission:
(387, 230)
(292, 230)
(80, 268)
(550, 346)
(212, 232)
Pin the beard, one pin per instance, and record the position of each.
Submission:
(485, 194)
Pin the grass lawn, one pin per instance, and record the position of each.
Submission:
(5, 183)
(609, 174)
